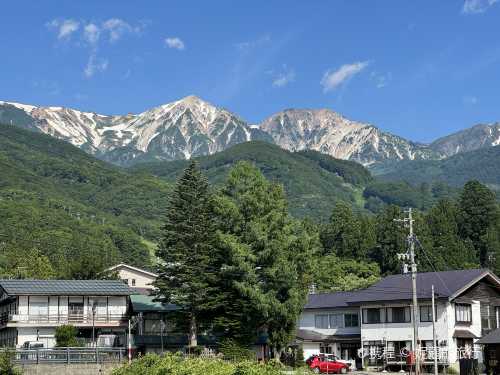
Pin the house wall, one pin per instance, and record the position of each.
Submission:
(404, 331)
(141, 280)
(310, 348)
(307, 321)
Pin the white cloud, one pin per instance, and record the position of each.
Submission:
(118, 27)
(332, 79)
(95, 65)
(64, 27)
(284, 78)
(477, 6)
(91, 36)
(91, 33)
(175, 43)
(470, 100)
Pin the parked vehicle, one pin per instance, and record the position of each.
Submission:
(108, 341)
(327, 364)
(33, 345)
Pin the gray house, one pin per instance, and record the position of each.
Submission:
(376, 323)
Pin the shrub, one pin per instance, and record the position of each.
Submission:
(235, 352)
(66, 336)
(175, 364)
(6, 364)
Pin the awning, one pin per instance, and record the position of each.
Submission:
(308, 335)
(345, 338)
(464, 334)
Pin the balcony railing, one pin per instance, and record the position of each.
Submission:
(97, 319)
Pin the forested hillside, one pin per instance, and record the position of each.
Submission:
(313, 181)
(69, 212)
(482, 165)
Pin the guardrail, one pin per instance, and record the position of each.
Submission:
(69, 355)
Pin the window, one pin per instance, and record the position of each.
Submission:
(133, 282)
(488, 316)
(371, 316)
(321, 321)
(326, 321)
(398, 315)
(463, 313)
(351, 320)
(336, 321)
(426, 313)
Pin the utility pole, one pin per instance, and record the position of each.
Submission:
(408, 223)
(434, 341)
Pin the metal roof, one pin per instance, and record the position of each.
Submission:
(65, 287)
(142, 303)
(447, 284)
(464, 334)
(327, 300)
(491, 338)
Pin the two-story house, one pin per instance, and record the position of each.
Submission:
(31, 310)
(466, 308)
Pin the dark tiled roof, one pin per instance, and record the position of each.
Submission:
(142, 303)
(66, 287)
(326, 300)
(398, 287)
(491, 338)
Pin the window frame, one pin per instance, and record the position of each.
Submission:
(351, 315)
(317, 316)
(429, 316)
(406, 314)
(469, 308)
(365, 316)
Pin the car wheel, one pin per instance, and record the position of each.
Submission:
(343, 370)
(316, 370)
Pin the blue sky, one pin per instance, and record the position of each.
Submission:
(420, 69)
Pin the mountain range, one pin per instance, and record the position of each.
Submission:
(192, 127)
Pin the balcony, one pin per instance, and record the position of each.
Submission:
(57, 319)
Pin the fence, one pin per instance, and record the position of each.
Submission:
(69, 355)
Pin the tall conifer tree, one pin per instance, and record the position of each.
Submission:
(188, 272)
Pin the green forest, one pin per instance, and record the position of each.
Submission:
(65, 214)
(234, 258)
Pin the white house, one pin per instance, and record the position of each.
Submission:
(466, 308)
(31, 310)
(137, 278)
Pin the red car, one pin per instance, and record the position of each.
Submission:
(327, 364)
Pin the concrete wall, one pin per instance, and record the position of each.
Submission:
(63, 369)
